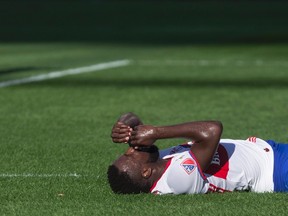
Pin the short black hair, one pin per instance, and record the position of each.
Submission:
(122, 183)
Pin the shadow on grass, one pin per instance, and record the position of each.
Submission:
(164, 83)
(22, 69)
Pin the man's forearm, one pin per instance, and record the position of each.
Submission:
(205, 136)
(196, 131)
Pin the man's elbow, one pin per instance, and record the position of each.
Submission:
(216, 129)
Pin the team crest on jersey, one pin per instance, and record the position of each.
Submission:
(189, 165)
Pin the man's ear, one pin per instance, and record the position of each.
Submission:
(146, 172)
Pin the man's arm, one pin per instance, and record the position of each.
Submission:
(204, 134)
(122, 129)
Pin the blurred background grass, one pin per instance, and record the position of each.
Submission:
(169, 22)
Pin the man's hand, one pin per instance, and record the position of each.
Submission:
(143, 135)
(121, 133)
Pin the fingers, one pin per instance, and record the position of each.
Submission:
(134, 142)
(120, 124)
(116, 138)
(121, 133)
(122, 140)
(136, 138)
(142, 135)
(121, 128)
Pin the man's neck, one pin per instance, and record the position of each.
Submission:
(159, 169)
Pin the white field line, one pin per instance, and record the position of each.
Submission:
(33, 175)
(206, 62)
(73, 71)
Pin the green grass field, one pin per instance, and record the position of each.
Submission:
(55, 135)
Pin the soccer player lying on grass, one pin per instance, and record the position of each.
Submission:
(205, 164)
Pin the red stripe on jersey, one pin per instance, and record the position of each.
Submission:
(252, 139)
(213, 188)
(219, 166)
(166, 167)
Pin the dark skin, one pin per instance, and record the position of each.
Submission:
(149, 167)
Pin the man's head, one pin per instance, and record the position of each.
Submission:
(133, 171)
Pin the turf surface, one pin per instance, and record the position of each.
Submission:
(55, 134)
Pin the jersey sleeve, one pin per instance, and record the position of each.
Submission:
(186, 175)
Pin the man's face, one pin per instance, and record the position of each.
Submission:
(132, 161)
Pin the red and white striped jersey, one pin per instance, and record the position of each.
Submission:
(237, 165)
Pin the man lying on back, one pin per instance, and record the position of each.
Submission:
(204, 164)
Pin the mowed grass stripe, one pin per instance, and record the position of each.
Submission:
(73, 71)
(34, 175)
(207, 62)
